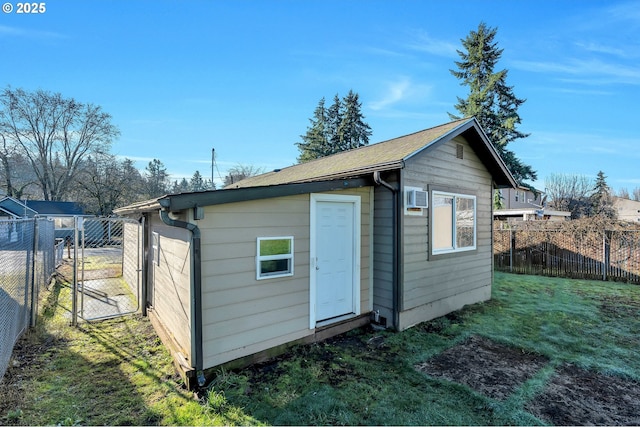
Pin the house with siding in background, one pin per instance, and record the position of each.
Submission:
(524, 204)
(394, 233)
(626, 209)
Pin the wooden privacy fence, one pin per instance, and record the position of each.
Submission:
(585, 254)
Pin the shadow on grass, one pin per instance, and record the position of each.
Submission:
(113, 372)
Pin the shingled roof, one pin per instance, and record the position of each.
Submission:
(387, 155)
(347, 169)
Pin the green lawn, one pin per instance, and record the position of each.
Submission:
(117, 372)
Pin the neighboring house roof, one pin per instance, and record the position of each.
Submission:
(16, 208)
(30, 208)
(45, 207)
(387, 155)
(348, 169)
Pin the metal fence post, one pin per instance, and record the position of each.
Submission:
(512, 244)
(34, 288)
(606, 253)
(74, 292)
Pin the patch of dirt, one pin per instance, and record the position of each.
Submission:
(492, 369)
(573, 396)
(576, 396)
(617, 307)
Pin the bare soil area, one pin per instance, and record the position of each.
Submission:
(573, 396)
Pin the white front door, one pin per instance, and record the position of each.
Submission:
(335, 256)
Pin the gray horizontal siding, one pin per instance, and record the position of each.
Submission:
(429, 280)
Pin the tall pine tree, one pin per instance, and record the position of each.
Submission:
(353, 129)
(602, 198)
(491, 101)
(315, 143)
(334, 124)
(338, 128)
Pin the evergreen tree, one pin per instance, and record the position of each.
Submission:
(334, 126)
(353, 130)
(315, 143)
(197, 183)
(338, 128)
(156, 178)
(601, 198)
(498, 200)
(181, 186)
(491, 101)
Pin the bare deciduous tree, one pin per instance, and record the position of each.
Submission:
(55, 134)
(240, 172)
(106, 183)
(623, 193)
(569, 193)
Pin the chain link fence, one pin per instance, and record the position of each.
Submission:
(27, 261)
(108, 266)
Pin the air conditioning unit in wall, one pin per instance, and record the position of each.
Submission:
(417, 199)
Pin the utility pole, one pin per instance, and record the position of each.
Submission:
(213, 162)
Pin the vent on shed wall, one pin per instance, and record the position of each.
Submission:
(460, 151)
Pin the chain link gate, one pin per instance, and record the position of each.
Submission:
(107, 267)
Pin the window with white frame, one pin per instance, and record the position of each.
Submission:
(274, 257)
(453, 219)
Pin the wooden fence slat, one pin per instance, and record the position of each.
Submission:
(608, 255)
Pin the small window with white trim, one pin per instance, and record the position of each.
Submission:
(453, 222)
(274, 257)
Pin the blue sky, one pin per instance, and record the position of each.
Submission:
(243, 77)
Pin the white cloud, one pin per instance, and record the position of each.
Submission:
(584, 142)
(609, 50)
(423, 42)
(626, 12)
(28, 33)
(399, 91)
(597, 71)
(395, 92)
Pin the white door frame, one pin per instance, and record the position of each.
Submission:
(356, 201)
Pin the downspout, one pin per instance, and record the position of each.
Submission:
(395, 249)
(195, 291)
(144, 223)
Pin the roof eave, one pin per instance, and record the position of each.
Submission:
(140, 207)
(504, 179)
(180, 202)
(358, 173)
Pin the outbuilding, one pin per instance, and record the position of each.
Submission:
(395, 233)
